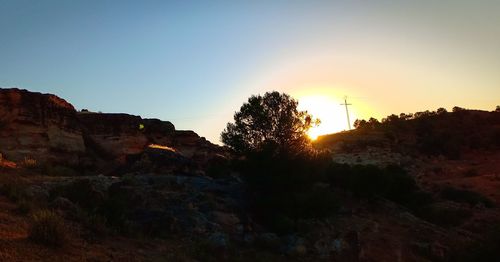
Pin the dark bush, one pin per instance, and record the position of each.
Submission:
(114, 208)
(82, 192)
(219, 168)
(99, 208)
(465, 196)
(93, 222)
(439, 143)
(281, 187)
(368, 181)
(48, 228)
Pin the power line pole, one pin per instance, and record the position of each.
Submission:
(347, 111)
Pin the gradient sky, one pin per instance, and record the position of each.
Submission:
(195, 62)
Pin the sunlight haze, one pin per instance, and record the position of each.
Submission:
(194, 63)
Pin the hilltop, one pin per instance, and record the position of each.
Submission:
(429, 133)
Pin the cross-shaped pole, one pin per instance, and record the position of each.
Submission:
(347, 111)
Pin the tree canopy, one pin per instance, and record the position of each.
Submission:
(269, 120)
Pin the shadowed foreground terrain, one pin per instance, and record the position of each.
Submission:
(85, 186)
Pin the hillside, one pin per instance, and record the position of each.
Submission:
(80, 186)
(427, 133)
(454, 156)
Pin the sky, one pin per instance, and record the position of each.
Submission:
(194, 63)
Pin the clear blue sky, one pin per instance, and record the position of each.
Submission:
(195, 62)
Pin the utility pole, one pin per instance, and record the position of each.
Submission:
(347, 111)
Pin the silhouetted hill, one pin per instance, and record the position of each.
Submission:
(430, 133)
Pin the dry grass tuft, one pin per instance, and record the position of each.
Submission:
(48, 228)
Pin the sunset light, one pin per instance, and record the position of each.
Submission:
(144, 130)
(329, 111)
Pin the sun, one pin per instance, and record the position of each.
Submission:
(328, 110)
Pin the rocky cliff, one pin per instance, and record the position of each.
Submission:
(40, 128)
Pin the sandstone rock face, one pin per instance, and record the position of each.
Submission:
(38, 126)
(116, 135)
(121, 135)
(45, 128)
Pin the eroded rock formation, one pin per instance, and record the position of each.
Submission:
(37, 126)
(46, 128)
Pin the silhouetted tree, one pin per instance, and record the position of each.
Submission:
(404, 116)
(457, 109)
(497, 109)
(441, 111)
(269, 120)
(359, 124)
(392, 118)
(373, 122)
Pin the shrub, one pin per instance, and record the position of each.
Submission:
(440, 143)
(465, 196)
(48, 228)
(114, 211)
(93, 222)
(29, 162)
(83, 192)
(368, 181)
(281, 187)
(219, 168)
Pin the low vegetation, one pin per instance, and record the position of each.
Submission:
(287, 180)
(391, 182)
(48, 228)
(434, 132)
(29, 162)
(465, 196)
(283, 188)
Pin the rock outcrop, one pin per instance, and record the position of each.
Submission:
(114, 135)
(44, 128)
(38, 127)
